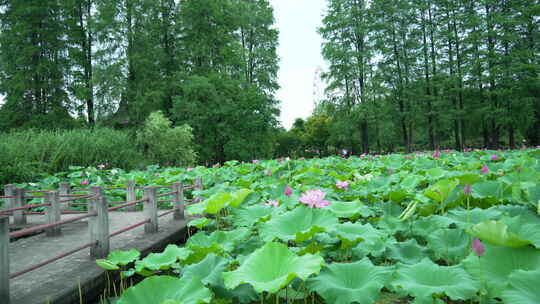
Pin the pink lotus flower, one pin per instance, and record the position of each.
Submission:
(216, 165)
(494, 157)
(484, 170)
(101, 166)
(478, 247)
(272, 203)
(255, 161)
(343, 185)
(288, 191)
(314, 199)
(85, 182)
(467, 190)
(437, 154)
(189, 169)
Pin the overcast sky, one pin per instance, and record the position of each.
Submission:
(300, 53)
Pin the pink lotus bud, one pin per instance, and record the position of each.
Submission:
(494, 157)
(342, 185)
(484, 170)
(272, 203)
(467, 190)
(288, 191)
(101, 166)
(436, 154)
(85, 182)
(478, 247)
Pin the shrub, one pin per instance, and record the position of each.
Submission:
(25, 155)
(166, 145)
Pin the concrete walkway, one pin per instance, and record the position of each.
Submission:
(58, 282)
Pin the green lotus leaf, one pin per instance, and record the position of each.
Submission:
(208, 270)
(106, 264)
(483, 190)
(391, 225)
(180, 253)
(121, 257)
(498, 263)
(272, 267)
(216, 202)
(247, 217)
(468, 179)
(200, 222)
(441, 190)
(198, 208)
(411, 181)
(157, 261)
(425, 225)
(526, 227)
(239, 196)
(451, 245)
(217, 242)
(127, 273)
(435, 173)
(426, 279)
(523, 287)
(350, 209)
(397, 196)
(474, 216)
(344, 283)
(299, 224)
(496, 233)
(375, 248)
(533, 195)
(166, 289)
(351, 234)
(408, 252)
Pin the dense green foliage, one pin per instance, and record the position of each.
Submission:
(431, 73)
(164, 145)
(27, 155)
(209, 64)
(445, 228)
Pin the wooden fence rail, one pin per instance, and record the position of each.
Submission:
(97, 214)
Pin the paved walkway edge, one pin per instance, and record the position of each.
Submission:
(65, 290)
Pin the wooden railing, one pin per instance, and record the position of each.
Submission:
(98, 208)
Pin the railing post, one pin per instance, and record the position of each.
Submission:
(178, 201)
(150, 210)
(18, 216)
(99, 224)
(9, 191)
(4, 259)
(131, 195)
(64, 189)
(53, 213)
(198, 187)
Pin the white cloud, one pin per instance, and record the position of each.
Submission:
(300, 53)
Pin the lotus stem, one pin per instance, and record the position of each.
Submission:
(80, 291)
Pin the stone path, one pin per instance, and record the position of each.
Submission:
(59, 282)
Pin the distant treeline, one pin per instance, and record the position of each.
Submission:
(212, 65)
(422, 74)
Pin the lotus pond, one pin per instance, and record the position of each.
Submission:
(421, 228)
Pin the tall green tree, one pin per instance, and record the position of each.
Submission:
(34, 65)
